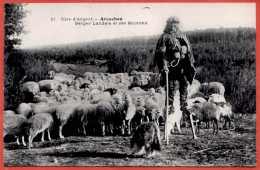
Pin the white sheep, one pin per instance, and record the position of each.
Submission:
(216, 98)
(13, 124)
(216, 87)
(212, 87)
(84, 114)
(38, 124)
(48, 85)
(43, 107)
(29, 90)
(129, 114)
(193, 89)
(31, 87)
(64, 113)
(38, 99)
(24, 109)
(63, 78)
(103, 97)
(226, 112)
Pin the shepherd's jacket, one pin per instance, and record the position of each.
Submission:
(159, 57)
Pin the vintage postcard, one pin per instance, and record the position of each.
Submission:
(129, 84)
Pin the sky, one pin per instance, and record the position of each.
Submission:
(41, 30)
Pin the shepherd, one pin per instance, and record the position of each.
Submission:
(175, 62)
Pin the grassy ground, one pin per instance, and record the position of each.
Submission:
(234, 147)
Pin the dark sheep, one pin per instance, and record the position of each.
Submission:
(112, 91)
(206, 112)
(138, 117)
(146, 139)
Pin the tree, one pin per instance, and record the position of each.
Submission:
(14, 13)
(14, 73)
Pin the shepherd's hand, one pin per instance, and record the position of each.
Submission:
(165, 69)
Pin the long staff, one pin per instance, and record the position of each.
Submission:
(167, 110)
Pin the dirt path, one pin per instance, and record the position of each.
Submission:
(76, 69)
(235, 147)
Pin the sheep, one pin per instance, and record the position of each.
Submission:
(198, 94)
(105, 117)
(13, 124)
(117, 99)
(42, 94)
(146, 139)
(226, 113)
(64, 113)
(105, 96)
(174, 117)
(152, 108)
(204, 88)
(216, 98)
(154, 115)
(48, 85)
(99, 117)
(216, 87)
(138, 117)
(84, 114)
(24, 109)
(192, 101)
(196, 82)
(212, 87)
(30, 89)
(140, 101)
(38, 124)
(193, 89)
(131, 110)
(43, 107)
(112, 91)
(137, 89)
(38, 99)
(160, 90)
(51, 74)
(124, 112)
(63, 78)
(206, 112)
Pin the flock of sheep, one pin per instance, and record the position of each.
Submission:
(102, 104)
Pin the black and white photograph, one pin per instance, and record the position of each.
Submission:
(129, 85)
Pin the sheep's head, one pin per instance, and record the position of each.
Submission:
(140, 111)
(140, 101)
(153, 114)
